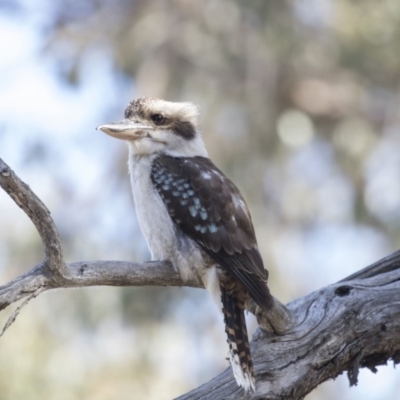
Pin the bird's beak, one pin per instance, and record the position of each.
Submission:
(126, 129)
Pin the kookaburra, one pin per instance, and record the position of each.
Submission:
(192, 215)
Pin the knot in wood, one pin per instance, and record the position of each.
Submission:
(342, 291)
(5, 171)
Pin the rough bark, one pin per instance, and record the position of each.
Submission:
(352, 324)
(343, 327)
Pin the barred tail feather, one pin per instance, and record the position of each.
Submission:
(239, 349)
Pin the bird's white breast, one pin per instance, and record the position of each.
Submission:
(154, 221)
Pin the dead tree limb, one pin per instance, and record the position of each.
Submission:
(352, 324)
(343, 327)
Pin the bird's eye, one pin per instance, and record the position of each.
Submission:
(158, 119)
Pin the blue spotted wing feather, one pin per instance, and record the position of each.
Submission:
(209, 208)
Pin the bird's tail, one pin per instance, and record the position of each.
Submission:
(239, 348)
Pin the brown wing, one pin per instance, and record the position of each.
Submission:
(209, 208)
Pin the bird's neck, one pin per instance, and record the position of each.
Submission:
(142, 160)
(193, 148)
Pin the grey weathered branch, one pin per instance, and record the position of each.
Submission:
(352, 324)
(348, 325)
(24, 197)
(54, 273)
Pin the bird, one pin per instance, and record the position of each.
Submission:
(193, 215)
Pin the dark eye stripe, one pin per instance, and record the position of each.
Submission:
(184, 129)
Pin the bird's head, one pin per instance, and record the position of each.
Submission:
(153, 126)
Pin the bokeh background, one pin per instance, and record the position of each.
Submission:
(300, 107)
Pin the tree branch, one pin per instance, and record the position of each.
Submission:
(352, 324)
(22, 194)
(91, 273)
